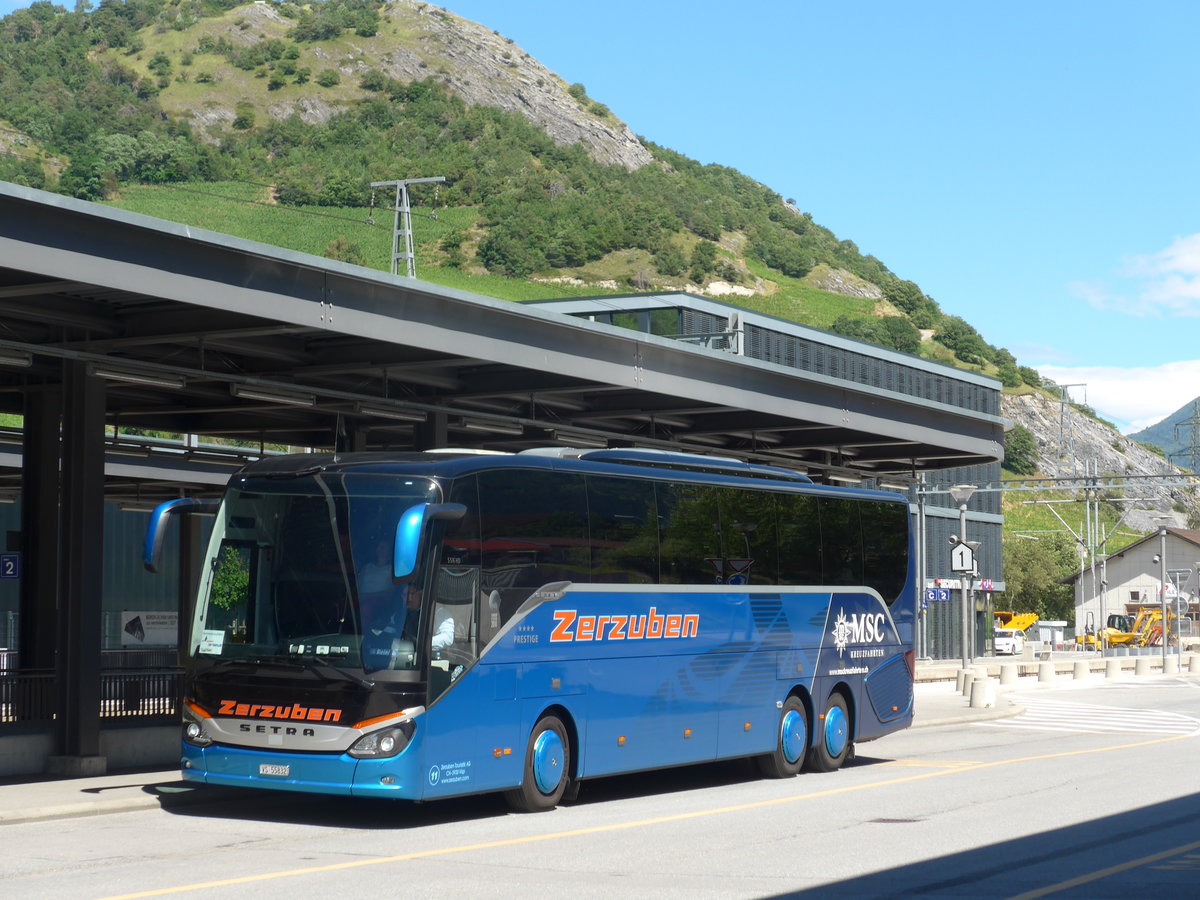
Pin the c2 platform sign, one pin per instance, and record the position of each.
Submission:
(10, 565)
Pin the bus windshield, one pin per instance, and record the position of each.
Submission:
(300, 572)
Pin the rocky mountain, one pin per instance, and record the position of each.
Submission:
(1071, 444)
(414, 41)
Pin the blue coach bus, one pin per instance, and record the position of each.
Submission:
(426, 625)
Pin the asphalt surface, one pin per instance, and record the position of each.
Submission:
(937, 702)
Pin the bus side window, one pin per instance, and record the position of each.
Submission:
(623, 525)
(799, 539)
(690, 529)
(748, 538)
(885, 548)
(533, 531)
(842, 559)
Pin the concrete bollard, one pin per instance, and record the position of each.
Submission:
(1045, 672)
(958, 680)
(1008, 673)
(1194, 663)
(1171, 664)
(968, 677)
(1142, 666)
(1112, 668)
(1081, 670)
(983, 693)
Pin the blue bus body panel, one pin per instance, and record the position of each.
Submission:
(643, 677)
(657, 676)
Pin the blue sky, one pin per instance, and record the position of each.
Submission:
(1033, 166)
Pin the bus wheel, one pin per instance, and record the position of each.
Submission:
(788, 755)
(831, 743)
(546, 768)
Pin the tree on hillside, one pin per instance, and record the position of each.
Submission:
(1020, 451)
(964, 340)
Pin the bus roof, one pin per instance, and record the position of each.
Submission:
(449, 463)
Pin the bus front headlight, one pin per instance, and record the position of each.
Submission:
(385, 742)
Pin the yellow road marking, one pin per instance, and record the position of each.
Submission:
(658, 820)
(1104, 873)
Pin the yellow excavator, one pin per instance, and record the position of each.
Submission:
(1144, 630)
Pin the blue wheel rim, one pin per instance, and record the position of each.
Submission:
(835, 731)
(547, 761)
(792, 736)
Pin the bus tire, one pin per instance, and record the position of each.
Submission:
(831, 740)
(787, 758)
(547, 768)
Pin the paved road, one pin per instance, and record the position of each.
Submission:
(972, 810)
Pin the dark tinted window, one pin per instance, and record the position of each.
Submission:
(841, 543)
(690, 534)
(624, 530)
(748, 536)
(799, 539)
(533, 531)
(885, 547)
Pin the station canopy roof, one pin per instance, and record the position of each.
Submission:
(198, 333)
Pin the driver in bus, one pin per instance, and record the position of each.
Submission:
(443, 620)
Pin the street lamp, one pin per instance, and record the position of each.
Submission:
(1162, 582)
(961, 493)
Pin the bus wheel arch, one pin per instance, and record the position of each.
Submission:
(549, 764)
(833, 732)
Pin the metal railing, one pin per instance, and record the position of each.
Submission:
(145, 696)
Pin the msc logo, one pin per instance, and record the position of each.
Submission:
(570, 626)
(867, 628)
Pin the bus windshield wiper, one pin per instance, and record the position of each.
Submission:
(322, 667)
(247, 661)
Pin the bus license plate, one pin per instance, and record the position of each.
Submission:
(272, 769)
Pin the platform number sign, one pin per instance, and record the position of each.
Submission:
(962, 559)
(10, 565)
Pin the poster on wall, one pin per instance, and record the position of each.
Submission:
(142, 629)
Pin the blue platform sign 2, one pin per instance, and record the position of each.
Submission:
(10, 565)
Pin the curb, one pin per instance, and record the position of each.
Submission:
(1014, 709)
(164, 795)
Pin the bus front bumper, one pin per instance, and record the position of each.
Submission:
(324, 773)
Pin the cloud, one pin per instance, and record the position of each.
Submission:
(1133, 398)
(1163, 283)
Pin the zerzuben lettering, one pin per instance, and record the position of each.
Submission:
(295, 712)
(569, 625)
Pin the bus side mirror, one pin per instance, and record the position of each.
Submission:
(157, 529)
(411, 529)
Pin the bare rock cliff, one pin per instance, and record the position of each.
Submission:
(487, 69)
(1071, 444)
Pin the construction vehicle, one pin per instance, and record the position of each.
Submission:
(1118, 631)
(1144, 630)
(1014, 621)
